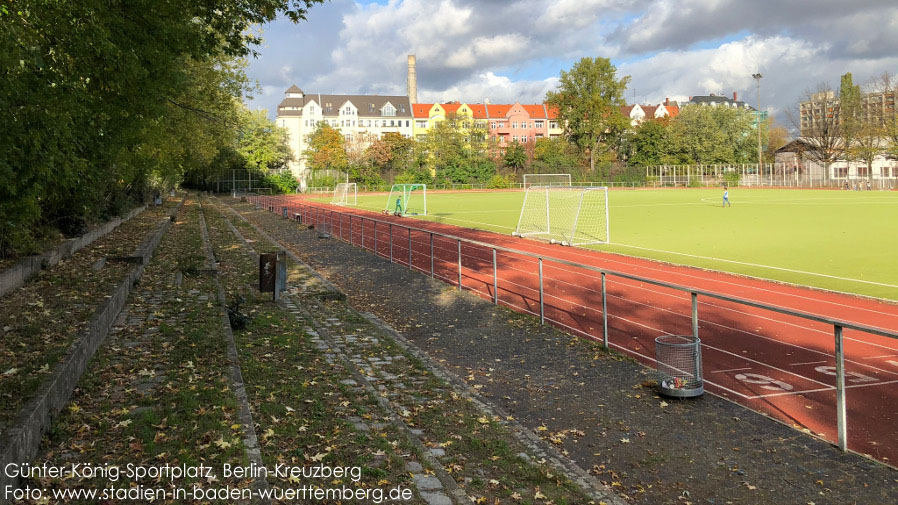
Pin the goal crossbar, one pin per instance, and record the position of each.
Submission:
(547, 180)
(566, 215)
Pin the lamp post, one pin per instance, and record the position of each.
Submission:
(757, 78)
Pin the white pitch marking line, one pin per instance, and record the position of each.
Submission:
(808, 363)
(731, 370)
(852, 386)
(883, 356)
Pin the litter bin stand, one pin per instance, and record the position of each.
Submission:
(679, 365)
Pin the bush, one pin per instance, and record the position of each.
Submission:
(731, 178)
(283, 182)
(500, 181)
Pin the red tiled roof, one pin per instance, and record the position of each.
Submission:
(626, 110)
(553, 112)
(450, 108)
(535, 111)
(673, 110)
(421, 110)
(649, 111)
(478, 109)
(499, 110)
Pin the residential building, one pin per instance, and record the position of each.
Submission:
(360, 118)
(824, 107)
(639, 113)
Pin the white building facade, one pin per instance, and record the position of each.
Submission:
(360, 118)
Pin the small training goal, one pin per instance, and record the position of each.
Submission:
(407, 200)
(565, 215)
(547, 180)
(346, 193)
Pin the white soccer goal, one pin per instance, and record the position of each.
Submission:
(411, 199)
(565, 215)
(346, 193)
(547, 180)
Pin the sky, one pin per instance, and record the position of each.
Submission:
(508, 51)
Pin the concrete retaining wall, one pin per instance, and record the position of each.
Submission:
(21, 441)
(22, 270)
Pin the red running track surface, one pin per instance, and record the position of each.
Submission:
(780, 365)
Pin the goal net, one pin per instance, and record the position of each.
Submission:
(547, 180)
(410, 199)
(346, 193)
(565, 215)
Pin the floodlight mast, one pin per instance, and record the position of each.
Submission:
(757, 78)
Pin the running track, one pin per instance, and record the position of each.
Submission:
(780, 365)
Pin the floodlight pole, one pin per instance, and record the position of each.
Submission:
(758, 77)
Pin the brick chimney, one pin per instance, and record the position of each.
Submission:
(735, 97)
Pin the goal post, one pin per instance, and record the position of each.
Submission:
(547, 180)
(565, 215)
(411, 199)
(346, 193)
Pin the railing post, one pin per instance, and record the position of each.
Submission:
(459, 264)
(542, 311)
(391, 242)
(495, 280)
(431, 255)
(604, 313)
(409, 248)
(363, 234)
(694, 315)
(841, 416)
(375, 237)
(351, 242)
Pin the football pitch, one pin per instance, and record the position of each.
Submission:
(839, 240)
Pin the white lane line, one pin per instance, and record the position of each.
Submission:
(808, 363)
(883, 356)
(731, 370)
(803, 272)
(852, 386)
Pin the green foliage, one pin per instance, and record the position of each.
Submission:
(262, 143)
(712, 135)
(500, 181)
(515, 157)
(650, 144)
(555, 155)
(414, 175)
(588, 100)
(102, 101)
(731, 178)
(283, 182)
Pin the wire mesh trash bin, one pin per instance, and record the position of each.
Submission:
(679, 363)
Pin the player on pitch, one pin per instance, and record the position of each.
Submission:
(398, 211)
(726, 197)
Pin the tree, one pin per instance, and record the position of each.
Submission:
(262, 143)
(650, 143)
(817, 118)
(701, 134)
(777, 137)
(588, 100)
(515, 157)
(556, 155)
(326, 150)
(888, 84)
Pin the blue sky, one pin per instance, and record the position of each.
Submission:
(514, 50)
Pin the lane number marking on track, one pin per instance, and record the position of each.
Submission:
(764, 381)
(853, 377)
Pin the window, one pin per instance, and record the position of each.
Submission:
(388, 110)
(421, 124)
(407, 122)
(514, 125)
(539, 135)
(553, 124)
(328, 107)
(885, 172)
(492, 125)
(370, 107)
(539, 124)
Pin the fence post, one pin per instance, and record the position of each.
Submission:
(409, 248)
(694, 314)
(542, 311)
(841, 416)
(604, 313)
(459, 264)
(431, 255)
(495, 280)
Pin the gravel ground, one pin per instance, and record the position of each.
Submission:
(599, 409)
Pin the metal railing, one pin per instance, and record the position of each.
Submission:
(347, 226)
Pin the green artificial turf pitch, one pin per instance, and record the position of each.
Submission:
(839, 240)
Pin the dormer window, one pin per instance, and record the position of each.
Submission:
(388, 110)
(328, 107)
(370, 107)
